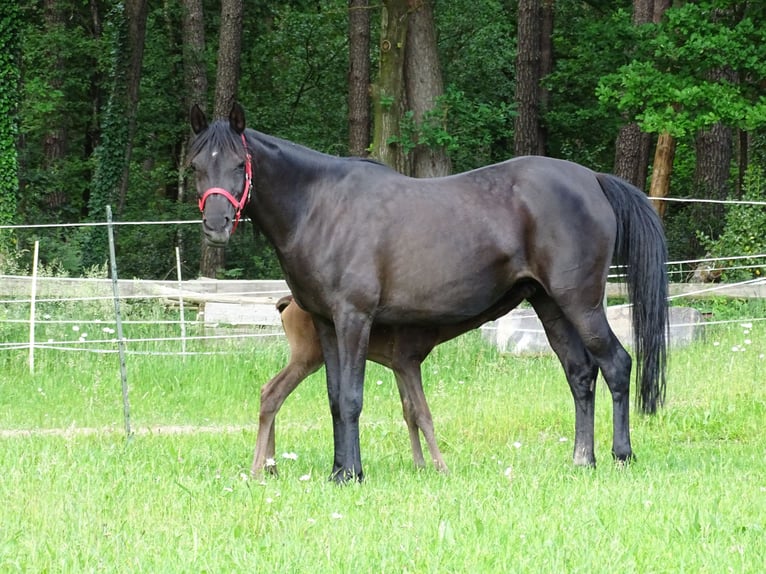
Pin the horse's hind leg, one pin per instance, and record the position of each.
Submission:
(580, 370)
(615, 364)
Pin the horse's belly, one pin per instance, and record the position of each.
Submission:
(443, 295)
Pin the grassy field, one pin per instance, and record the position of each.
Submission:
(695, 500)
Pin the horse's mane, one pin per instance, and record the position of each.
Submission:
(308, 154)
(220, 135)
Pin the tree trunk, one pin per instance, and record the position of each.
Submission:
(526, 140)
(423, 80)
(388, 93)
(229, 54)
(662, 169)
(631, 154)
(358, 77)
(135, 14)
(195, 73)
(195, 83)
(546, 67)
(227, 78)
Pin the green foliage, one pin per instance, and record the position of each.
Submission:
(675, 83)
(477, 53)
(466, 128)
(744, 232)
(293, 84)
(589, 43)
(9, 72)
(296, 73)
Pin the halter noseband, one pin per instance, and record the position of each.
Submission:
(238, 205)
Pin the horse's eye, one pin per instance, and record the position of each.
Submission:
(241, 166)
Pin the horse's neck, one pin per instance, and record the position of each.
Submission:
(283, 184)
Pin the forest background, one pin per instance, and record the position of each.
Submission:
(94, 100)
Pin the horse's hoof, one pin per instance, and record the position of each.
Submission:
(623, 460)
(584, 460)
(343, 476)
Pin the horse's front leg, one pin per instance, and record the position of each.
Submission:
(344, 345)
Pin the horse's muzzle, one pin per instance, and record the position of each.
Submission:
(217, 238)
(217, 228)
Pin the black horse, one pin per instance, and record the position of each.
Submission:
(360, 244)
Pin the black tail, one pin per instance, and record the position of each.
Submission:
(641, 247)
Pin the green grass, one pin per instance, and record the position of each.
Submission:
(695, 501)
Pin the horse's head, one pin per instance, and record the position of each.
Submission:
(223, 169)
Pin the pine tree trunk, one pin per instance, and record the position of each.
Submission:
(632, 148)
(423, 79)
(358, 77)
(526, 140)
(213, 259)
(196, 84)
(388, 93)
(135, 12)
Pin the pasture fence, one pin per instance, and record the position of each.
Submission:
(248, 303)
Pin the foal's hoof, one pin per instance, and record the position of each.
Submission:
(263, 470)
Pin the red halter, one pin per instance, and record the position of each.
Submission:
(238, 205)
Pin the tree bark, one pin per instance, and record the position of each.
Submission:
(546, 67)
(526, 140)
(135, 13)
(213, 259)
(423, 80)
(358, 77)
(631, 154)
(195, 73)
(229, 54)
(388, 93)
(662, 169)
(196, 85)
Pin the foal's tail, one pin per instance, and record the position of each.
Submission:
(641, 248)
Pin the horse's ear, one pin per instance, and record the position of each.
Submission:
(197, 119)
(237, 118)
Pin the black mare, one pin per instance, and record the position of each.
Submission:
(360, 244)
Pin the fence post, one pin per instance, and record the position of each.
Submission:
(118, 321)
(33, 300)
(181, 302)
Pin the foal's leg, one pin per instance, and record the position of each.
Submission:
(273, 395)
(345, 351)
(580, 370)
(417, 415)
(305, 358)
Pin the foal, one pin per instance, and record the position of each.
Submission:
(306, 358)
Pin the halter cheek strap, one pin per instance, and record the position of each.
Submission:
(238, 205)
